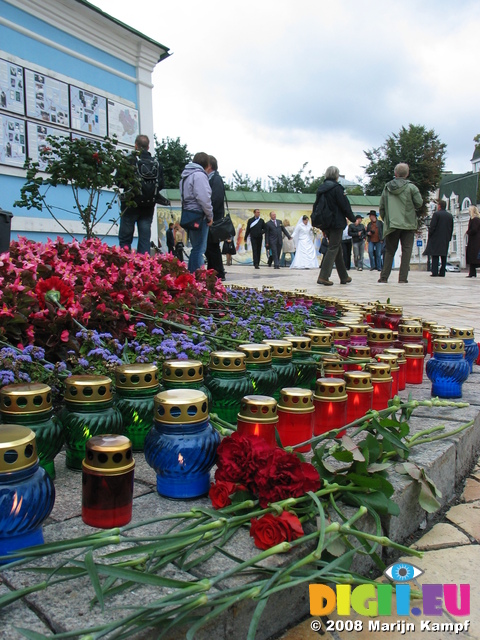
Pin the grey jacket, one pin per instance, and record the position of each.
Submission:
(195, 190)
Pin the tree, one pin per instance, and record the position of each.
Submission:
(245, 183)
(299, 182)
(173, 156)
(420, 148)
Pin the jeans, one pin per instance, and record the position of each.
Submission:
(334, 255)
(358, 251)
(198, 239)
(406, 238)
(375, 255)
(143, 216)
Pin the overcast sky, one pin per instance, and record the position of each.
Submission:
(266, 85)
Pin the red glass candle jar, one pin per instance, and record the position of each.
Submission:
(393, 317)
(415, 360)
(368, 310)
(295, 417)
(409, 333)
(107, 481)
(391, 359)
(359, 390)
(330, 402)
(378, 340)
(258, 417)
(382, 384)
(402, 365)
(321, 340)
(427, 335)
(378, 317)
(357, 353)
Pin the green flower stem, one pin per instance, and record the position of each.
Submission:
(382, 540)
(442, 436)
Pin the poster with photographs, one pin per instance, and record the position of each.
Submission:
(88, 112)
(37, 134)
(47, 98)
(122, 122)
(11, 87)
(12, 141)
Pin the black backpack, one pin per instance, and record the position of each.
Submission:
(148, 172)
(322, 216)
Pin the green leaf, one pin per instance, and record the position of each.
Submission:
(343, 456)
(31, 635)
(375, 482)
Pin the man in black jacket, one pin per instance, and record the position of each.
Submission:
(273, 238)
(357, 233)
(439, 236)
(213, 253)
(339, 205)
(255, 229)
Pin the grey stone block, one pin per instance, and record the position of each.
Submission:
(18, 615)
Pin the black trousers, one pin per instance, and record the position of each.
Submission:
(435, 260)
(256, 249)
(213, 254)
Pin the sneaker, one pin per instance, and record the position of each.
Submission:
(327, 283)
(346, 281)
(360, 269)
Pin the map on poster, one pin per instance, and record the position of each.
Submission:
(37, 134)
(122, 122)
(11, 87)
(12, 141)
(88, 112)
(47, 98)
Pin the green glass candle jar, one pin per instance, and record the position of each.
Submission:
(185, 374)
(88, 411)
(302, 359)
(228, 381)
(30, 405)
(259, 365)
(136, 386)
(282, 362)
(321, 340)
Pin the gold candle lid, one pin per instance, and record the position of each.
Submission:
(429, 324)
(300, 343)
(258, 409)
(390, 359)
(359, 353)
(260, 352)
(358, 329)
(322, 340)
(393, 309)
(379, 335)
(315, 331)
(136, 376)
(333, 389)
(280, 348)
(380, 307)
(22, 398)
(414, 350)
(340, 333)
(380, 371)
(439, 332)
(181, 406)
(88, 388)
(18, 448)
(332, 365)
(462, 332)
(358, 381)
(228, 361)
(410, 329)
(449, 345)
(399, 353)
(296, 399)
(108, 454)
(413, 320)
(182, 371)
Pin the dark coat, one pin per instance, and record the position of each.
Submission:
(337, 202)
(273, 234)
(439, 233)
(257, 231)
(473, 246)
(218, 195)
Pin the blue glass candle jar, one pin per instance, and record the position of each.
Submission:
(282, 362)
(228, 381)
(27, 491)
(182, 445)
(30, 405)
(88, 411)
(185, 374)
(259, 365)
(447, 368)
(303, 360)
(471, 347)
(136, 386)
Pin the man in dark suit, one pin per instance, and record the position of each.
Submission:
(273, 238)
(255, 229)
(439, 236)
(213, 253)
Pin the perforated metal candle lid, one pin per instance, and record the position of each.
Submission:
(411, 329)
(300, 343)
(393, 309)
(333, 366)
(108, 454)
(414, 350)
(379, 335)
(399, 353)
(380, 371)
(136, 376)
(358, 381)
(182, 371)
(256, 353)
(18, 449)
(258, 409)
(452, 345)
(296, 399)
(465, 333)
(358, 329)
(181, 406)
(340, 333)
(439, 332)
(320, 339)
(228, 361)
(359, 353)
(281, 349)
(88, 388)
(333, 389)
(20, 398)
(390, 359)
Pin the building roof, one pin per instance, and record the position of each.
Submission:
(476, 153)
(464, 185)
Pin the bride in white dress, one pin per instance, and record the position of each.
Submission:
(305, 253)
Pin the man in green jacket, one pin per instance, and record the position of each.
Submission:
(399, 204)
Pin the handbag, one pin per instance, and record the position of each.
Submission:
(222, 229)
(191, 219)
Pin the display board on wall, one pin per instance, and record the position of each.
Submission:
(46, 98)
(88, 112)
(12, 141)
(37, 134)
(122, 122)
(11, 87)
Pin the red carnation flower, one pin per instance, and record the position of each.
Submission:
(240, 457)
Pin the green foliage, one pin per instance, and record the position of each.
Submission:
(173, 156)
(244, 183)
(88, 167)
(300, 182)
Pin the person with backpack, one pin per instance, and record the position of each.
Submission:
(330, 210)
(145, 195)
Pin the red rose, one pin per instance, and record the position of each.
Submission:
(270, 530)
(220, 493)
(239, 457)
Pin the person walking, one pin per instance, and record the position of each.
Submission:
(338, 204)
(400, 204)
(179, 236)
(305, 253)
(440, 233)
(358, 233)
(255, 229)
(347, 248)
(196, 196)
(170, 238)
(375, 241)
(473, 246)
(229, 250)
(274, 230)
